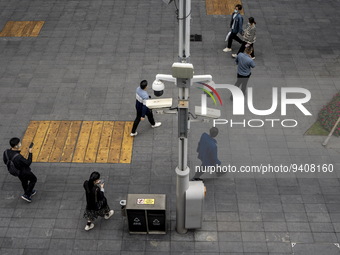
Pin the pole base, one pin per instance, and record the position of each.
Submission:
(182, 186)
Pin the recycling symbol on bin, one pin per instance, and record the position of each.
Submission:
(156, 222)
(136, 222)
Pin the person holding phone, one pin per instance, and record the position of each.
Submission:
(27, 178)
(96, 203)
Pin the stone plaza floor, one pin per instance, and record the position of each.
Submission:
(85, 65)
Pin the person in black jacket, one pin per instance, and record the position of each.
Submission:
(96, 203)
(27, 178)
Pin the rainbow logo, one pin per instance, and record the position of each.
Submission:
(209, 93)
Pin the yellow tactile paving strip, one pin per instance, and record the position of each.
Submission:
(221, 7)
(22, 29)
(79, 141)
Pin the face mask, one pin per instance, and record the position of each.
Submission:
(236, 11)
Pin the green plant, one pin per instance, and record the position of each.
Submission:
(329, 114)
(317, 129)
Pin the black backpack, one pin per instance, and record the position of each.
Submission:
(10, 165)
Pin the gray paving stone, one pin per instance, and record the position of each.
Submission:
(321, 227)
(253, 236)
(325, 237)
(279, 247)
(229, 226)
(252, 226)
(250, 247)
(315, 249)
(275, 226)
(301, 237)
(233, 247)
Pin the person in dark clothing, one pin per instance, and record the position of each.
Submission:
(236, 25)
(96, 203)
(142, 110)
(207, 151)
(27, 178)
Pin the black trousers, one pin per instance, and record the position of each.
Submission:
(243, 47)
(232, 37)
(137, 120)
(28, 181)
(242, 82)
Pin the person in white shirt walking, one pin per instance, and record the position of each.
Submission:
(142, 110)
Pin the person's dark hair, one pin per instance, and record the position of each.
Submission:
(252, 20)
(143, 84)
(93, 177)
(14, 141)
(213, 131)
(239, 7)
(248, 50)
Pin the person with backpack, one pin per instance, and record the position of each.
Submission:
(19, 166)
(96, 203)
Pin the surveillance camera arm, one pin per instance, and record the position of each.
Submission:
(166, 77)
(201, 78)
(196, 78)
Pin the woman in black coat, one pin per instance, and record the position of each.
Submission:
(96, 201)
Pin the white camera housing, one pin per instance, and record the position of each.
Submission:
(182, 70)
(158, 88)
(158, 103)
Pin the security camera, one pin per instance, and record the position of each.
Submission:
(158, 88)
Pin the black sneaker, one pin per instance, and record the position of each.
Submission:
(26, 198)
(33, 193)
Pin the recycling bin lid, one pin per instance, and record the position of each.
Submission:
(146, 201)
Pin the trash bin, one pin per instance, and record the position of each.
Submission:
(137, 221)
(146, 213)
(156, 221)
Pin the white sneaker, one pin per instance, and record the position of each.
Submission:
(106, 217)
(134, 134)
(227, 49)
(234, 55)
(157, 124)
(87, 227)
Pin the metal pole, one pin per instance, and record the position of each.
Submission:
(331, 133)
(184, 16)
(182, 170)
